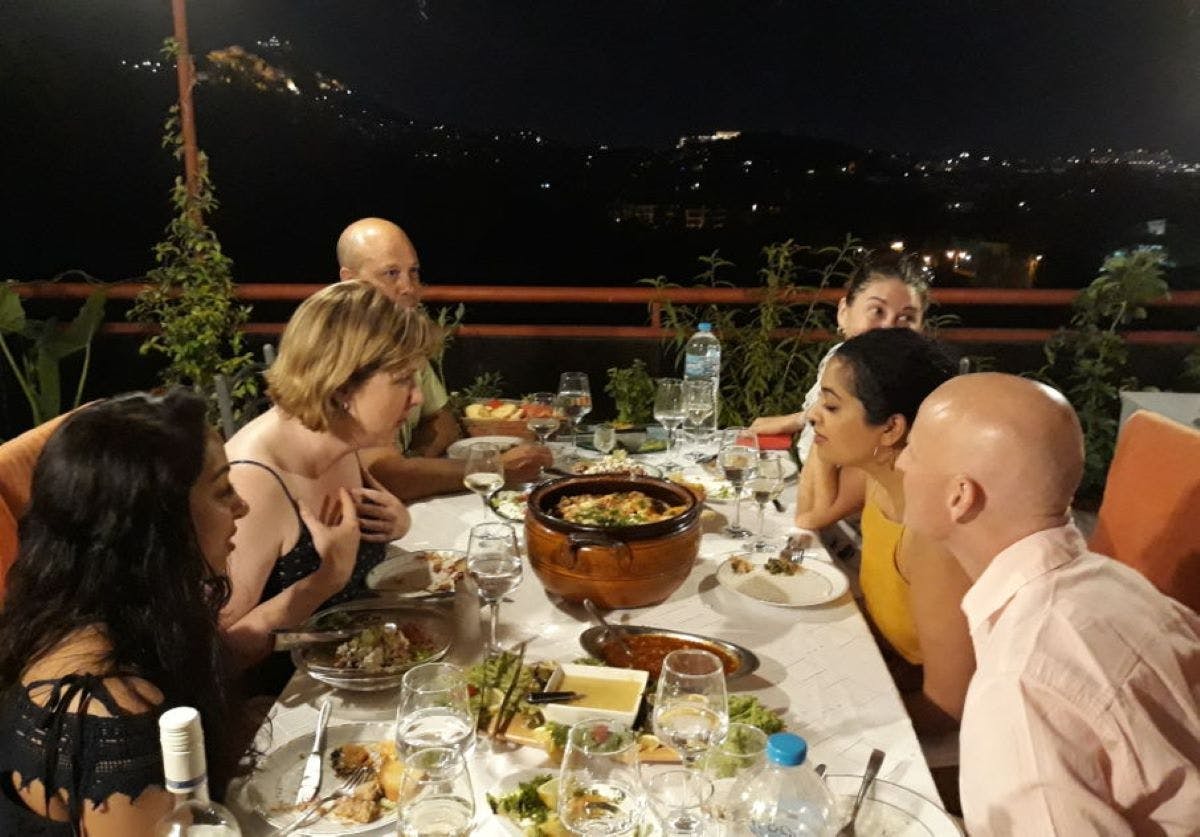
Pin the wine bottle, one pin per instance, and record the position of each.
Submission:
(186, 772)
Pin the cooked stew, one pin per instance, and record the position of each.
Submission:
(621, 508)
(649, 650)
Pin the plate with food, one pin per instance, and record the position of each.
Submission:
(780, 581)
(418, 574)
(649, 645)
(460, 448)
(510, 505)
(271, 789)
(388, 639)
(526, 803)
(890, 810)
(614, 463)
(633, 440)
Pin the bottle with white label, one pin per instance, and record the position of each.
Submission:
(186, 772)
(702, 361)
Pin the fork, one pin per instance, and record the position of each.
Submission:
(318, 809)
(790, 549)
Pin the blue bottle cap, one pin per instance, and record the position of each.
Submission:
(787, 749)
(704, 326)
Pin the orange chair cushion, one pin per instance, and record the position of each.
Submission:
(1150, 516)
(8, 544)
(17, 458)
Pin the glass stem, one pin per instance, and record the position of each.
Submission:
(762, 524)
(737, 506)
(495, 620)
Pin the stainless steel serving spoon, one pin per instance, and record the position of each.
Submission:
(610, 630)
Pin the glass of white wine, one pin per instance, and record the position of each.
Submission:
(668, 411)
(436, 797)
(574, 402)
(739, 461)
(691, 710)
(599, 785)
(542, 415)
(765, 486)
(483, 472)
(494, 562)
(698, 406)
(604, 438)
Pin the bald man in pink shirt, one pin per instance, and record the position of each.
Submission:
(1083, 716)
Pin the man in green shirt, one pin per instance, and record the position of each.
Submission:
(377, 251)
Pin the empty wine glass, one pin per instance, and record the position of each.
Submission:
(599, 784)
(434, 709)
(698, 405)
(681, 798)
(691, 711)
(604, 438)
(436, 796)
(668, 411)
(483, 472)
(494, 562)
(738, 459)
(765, 486)
(542, 415)
(730, 764)
(574, 402)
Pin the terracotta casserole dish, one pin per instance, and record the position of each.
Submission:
(614, 566)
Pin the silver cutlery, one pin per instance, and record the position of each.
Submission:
(322, 806)
(535, 698)
(310, 782)
(873, 765)
(612, 631)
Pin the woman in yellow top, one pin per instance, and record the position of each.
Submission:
(912, 588)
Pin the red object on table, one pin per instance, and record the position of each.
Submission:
(774, 441)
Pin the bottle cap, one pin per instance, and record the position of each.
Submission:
(182, 740)
(704, 326)
(787, 749)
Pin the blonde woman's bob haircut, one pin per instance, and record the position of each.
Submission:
(337, 339)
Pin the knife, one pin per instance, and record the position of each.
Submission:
(310, 783)
(288, 638)
(535, 698)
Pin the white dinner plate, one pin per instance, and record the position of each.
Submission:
(890, 810)
(817, 583)
(419, 573)
(272, 787)
(509, 784)
(458, 450)
(719, 489)
(510, 504)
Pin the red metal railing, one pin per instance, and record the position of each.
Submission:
(654, 299)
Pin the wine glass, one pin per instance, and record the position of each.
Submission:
(574, 402)
(698, 404)
(434, 709)
(436, 797)
(599, 784)
(604, 438)
(668, 410)
(483, 472)
(730, 764)
(680, 798)
(738, 459)
(765, 486)
(543, 416)
(494, 562)
(690, 708)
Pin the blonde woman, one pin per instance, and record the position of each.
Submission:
(344, 380)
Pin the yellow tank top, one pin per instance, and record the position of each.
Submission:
(884, 590)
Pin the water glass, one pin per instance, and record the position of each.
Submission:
(691, 710)
(681, 800)
(765, 486)
(436, 797)
(730, 764)
(574, 402)
(494, 562)
(599, 784)
(434, 710)
(604, 438)
(543, 414)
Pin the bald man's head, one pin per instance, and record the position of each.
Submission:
(994, 451)
(377, 251)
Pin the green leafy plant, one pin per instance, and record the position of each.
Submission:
(632, 389)
(189, 299)
(768, 359)
(485, 385)
(449, 320)
(44, 344)
(1089, 361)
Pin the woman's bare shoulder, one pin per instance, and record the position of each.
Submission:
(88, 651)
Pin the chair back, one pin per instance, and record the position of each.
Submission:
(8, 544)
(1150, 516)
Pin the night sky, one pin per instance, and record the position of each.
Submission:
(1015, 76)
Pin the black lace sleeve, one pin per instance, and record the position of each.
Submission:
(90, 756)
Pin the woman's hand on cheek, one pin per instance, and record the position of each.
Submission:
(335, 534)
(381, 517)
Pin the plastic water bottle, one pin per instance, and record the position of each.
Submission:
(787, 798)
(702, 361)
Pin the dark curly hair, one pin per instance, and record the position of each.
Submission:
(893, 370)
(108, 542)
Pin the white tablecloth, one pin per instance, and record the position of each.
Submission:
(820, 666)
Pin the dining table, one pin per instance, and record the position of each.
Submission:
(820, 667)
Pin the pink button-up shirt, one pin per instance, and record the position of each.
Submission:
(1083, 716)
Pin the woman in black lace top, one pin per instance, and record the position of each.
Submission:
(344, 380)
(111, 616)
